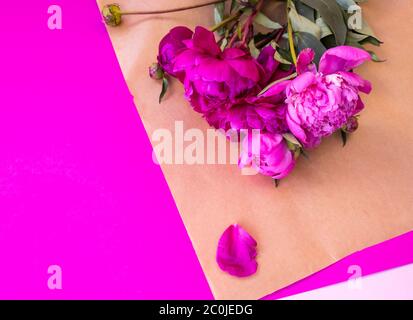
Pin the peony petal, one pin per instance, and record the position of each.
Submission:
(184, 60)
(233, 53)
(268, 63)
(303, 81)
(356, 81)
(285, 164)
(245, 68)
(342, 58)
(236, 252)
(276, 89)
(212, 69)
(180, 33)
(305, 61)
(359, 107)
(295, 128)
(205, 40)
(171, 45)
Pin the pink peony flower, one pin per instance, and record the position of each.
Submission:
(236, 252)
(321, 102)
(250, 113)
(229, 107)
(268, 154)
(170, 46)
(214, 78)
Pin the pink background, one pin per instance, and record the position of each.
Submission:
(78, 187)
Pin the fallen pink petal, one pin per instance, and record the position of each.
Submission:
(237, 251)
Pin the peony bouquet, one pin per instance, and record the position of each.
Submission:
(284, 68)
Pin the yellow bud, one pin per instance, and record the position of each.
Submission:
(112, 15)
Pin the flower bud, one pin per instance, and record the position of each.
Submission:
(112, 15)
(155, 71)
(351, 125)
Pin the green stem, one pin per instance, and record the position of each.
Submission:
(226, 21)
(173, 10)
(290, 35)
(251, 20)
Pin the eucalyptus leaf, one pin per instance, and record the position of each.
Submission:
(253, 49)
(266, 22)
(219, 13)
(355, 37)
(331, 13)
(330, 41)
(278, 57)
(305, 10)
(307, 40)
(367, 30)
(371, 40)
(325, 29)
(300, 23)
(285, 54)
(351, 42)
(345, 4)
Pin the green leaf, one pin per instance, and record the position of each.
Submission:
(325, 29)
(234, 6)
(307, 40)
(302, 24)
(278, 57)
(165, 84)
(329, 41)
(331, 13)
(224, 44)
(355, 37)
(352, 41)
(253, 49)
(219, 9)
(266, 22)
(219, 13)
(292, 139)
(343, 137)
(345, 4)
(285, 54)
(367, 31)
(371, 40)
(358, 40)
(305, 10)
(374, 56)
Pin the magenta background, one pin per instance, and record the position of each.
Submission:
(387, 255)
(78, 187)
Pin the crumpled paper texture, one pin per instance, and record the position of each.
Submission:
(338, 201)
